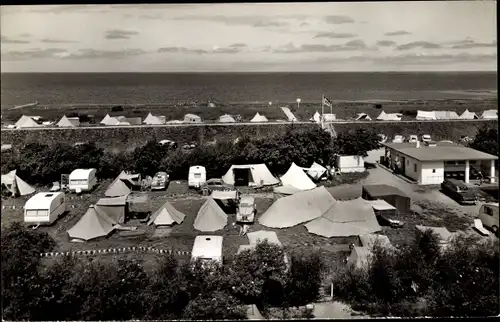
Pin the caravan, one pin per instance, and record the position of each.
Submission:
(197, 176)
(44, 208)
(208, 249)
(82, 180)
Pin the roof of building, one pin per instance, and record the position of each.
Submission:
(446, 151)
(42, 200)
(379, 190)
(81, 174)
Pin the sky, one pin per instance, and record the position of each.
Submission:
(268, 37)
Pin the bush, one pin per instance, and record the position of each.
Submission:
(486, 140)
(117, 108)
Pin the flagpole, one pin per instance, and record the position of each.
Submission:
(322, 111)
(331, 107)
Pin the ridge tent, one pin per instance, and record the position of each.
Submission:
(105, 120)
(467, 115)
(369, 240)
(191, 118)
(328, 117)
(133, 120)
(93, 224)
(446, 115)
(283, 191)
(316, 117)
(153, 120)
(210, 217)
(316, 171)
(26, 122)
(148, 118)
(383, 116)
(249, 175)
(16, 185)
(490, 114)
(257, 237)
(345, 218)
(363, 116)
(289, 114)
(360, 257)
(122, 185)
(166, 215)
(259, 118)
(122, 123)
(296, 177)
(425, 115)
(66, 122)
(226, 118)
(114, 207)
(298, 208)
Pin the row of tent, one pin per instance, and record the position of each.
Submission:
(452, 115)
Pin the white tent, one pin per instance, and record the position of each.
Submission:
(446, 115)
(26, 122)
(226, 118)
(210, 217)
(191, 118)
(369, 240)
(66, 122)
(119, 186)
(289, 114)
(121, 123)
(298, 208)
(316, 117)
(258, 118)
(258, 174)
(148, 118)
(328, 117)
(296, 177)
(389, 116)
(166, 215)
(94, 223)
(15, 184)
(105, 120)
(360, 257)
(363, 116)
(345, 218)
(467, 115)
(282, 191)
(316, 171)
(490, 114)
(153, 120)
(425, 115)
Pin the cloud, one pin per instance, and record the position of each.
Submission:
(353, 45)
(62, 9)
(334, 35)
(238, 45)
(473, 44)
(271, 24)
(8, 40)
(120, 34)
(31, 54)
(183, 50)
(252, 20)
(305, 24)
(57, 41)
(386, 43)
(110, 54)
(231, 49)
(398, 33)
(25, 35)
(419, 44)
(337, 20)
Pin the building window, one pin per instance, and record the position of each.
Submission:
(407, 162)
(461, 162)
(414, 168)
(433, 170)
(472, 162)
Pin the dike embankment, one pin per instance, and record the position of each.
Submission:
(129, 137)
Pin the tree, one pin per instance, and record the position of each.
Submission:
(486, 140)
(356, 143)
(217, 305)
(148, 158)
(304, 278)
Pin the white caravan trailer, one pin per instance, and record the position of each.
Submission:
(82, 180)
(44, 208)
(197, 176)
(208, 249)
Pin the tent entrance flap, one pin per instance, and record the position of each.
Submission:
(242, 177)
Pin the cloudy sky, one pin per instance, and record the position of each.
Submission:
(378, 36)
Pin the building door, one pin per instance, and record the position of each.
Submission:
(454, 170)
(242, 177)
(403, 165)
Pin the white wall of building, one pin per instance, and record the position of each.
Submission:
(413, 168)
(432, 172)
(350, 163)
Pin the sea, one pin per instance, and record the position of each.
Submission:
(167, 88)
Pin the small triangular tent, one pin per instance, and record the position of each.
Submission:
(446, 115)
(148, 118)
(258, 118)
(389, 116)
(467, 115)
(316, 117)
(166, 215)
(328, 117)
(25, 122)
(226, 119)
(257, 175)
(490, 114)
(94, 224)
(153, 120)
(296, 177)
(298, 208)
(363, 116)
(65, 122)
(210, 217)
(316, 171)
(121, 186)
(425, 115)
(114, 207)
(16, 185)
(289, 114)
(105, 120)
(360, 257)
(345, 218)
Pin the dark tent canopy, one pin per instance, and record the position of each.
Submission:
(392, 195)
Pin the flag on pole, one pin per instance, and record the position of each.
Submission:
(327, 102)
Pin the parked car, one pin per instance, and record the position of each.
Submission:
(246, 210)
(398, 139)
(189, 146)
(383, 138)
(160, 181)
(215, 185)
(168, 143)
(426, 138)
(488, 214)
(412, 138)
(458, 191)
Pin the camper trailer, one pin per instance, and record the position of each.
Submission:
(82, 180)
(44, 208)
(208, 249)
(197, 176)
(488, 214)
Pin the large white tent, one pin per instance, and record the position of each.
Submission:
(210, 217)
(316, 117)
(95, 223)
(383, 116)
(297, 178)
(316, 171)
(26, 122)
(166, 215)
(121, 186)
(490, 114)
(226, 118)
(283, 191)
(16, 185)
(67, 122)
(259, 118)
(425, 115)
(298, 208)
(289, 114)
(363, 116)
(258, 174)
(467, 115)
(446, 115)
(105, 120)
(153, 120)
(345, 218)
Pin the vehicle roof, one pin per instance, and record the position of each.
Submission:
(197, 167)
(81, 174)
(42, 200)
(207, 246)
(249, 199)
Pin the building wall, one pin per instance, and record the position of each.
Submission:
(413, 168)
(432, 172)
